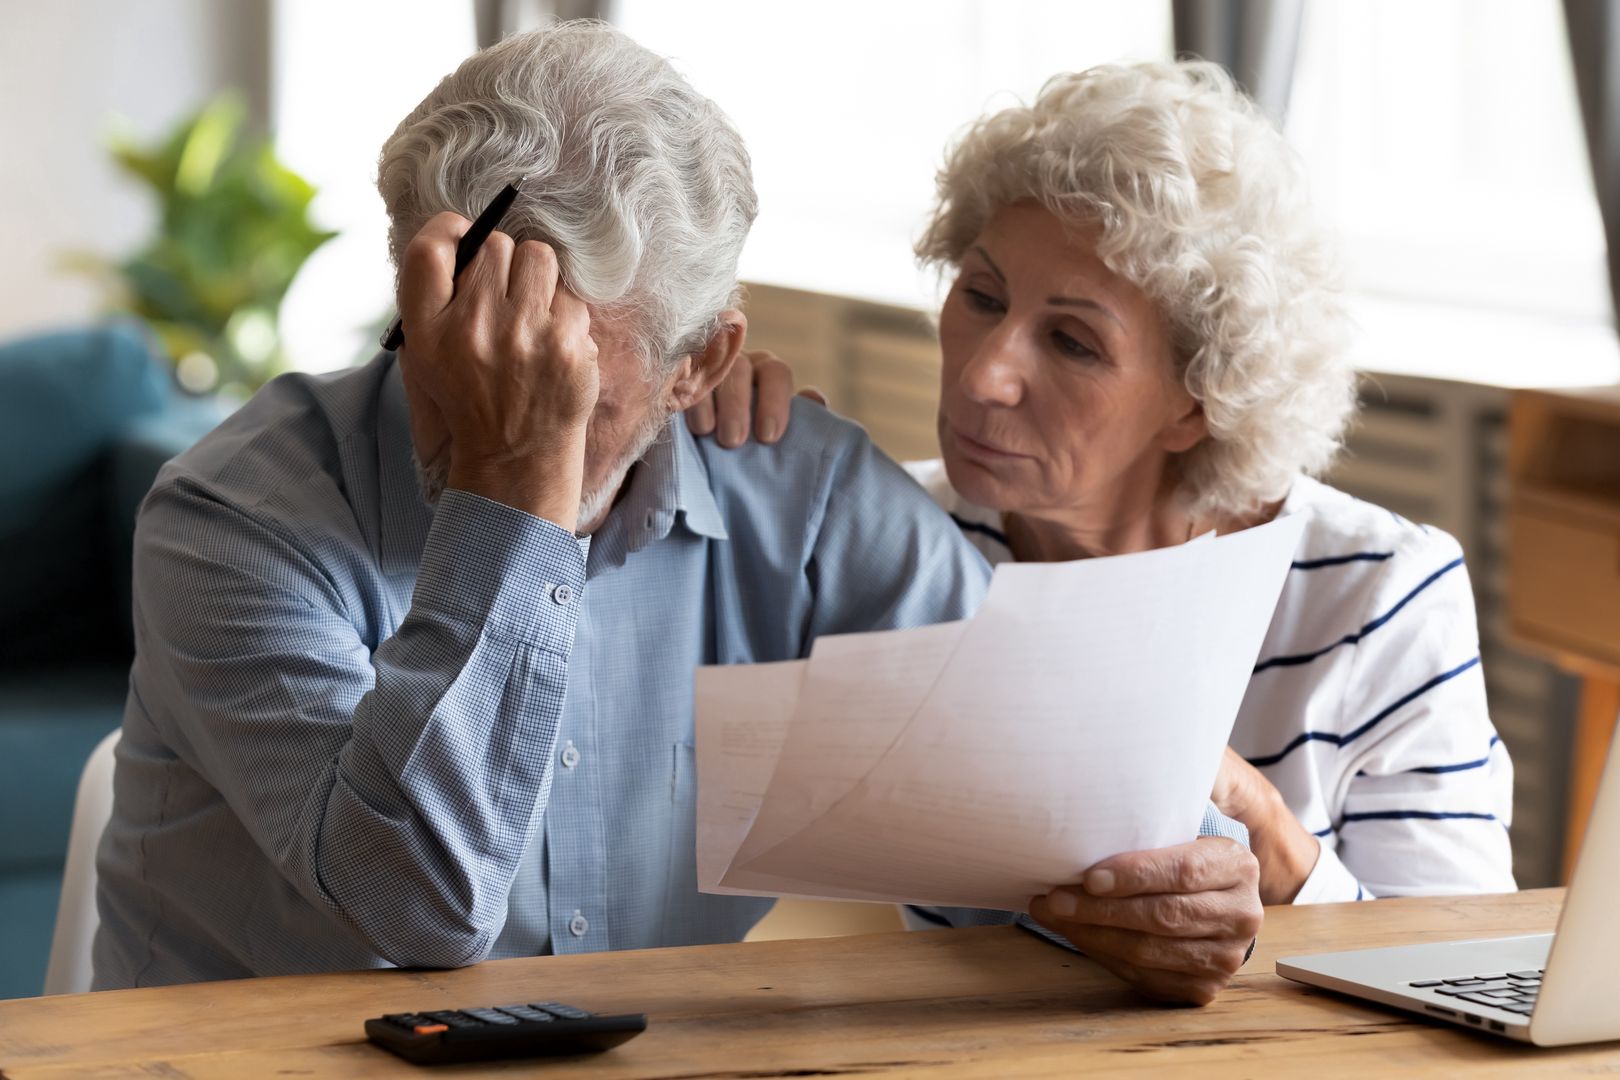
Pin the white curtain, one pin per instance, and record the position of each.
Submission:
(1594, 41)
(498, 18)
(1256, 40)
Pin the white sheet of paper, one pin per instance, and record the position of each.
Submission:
(741, 721)
(1082, 712)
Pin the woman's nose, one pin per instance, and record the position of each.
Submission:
(994, 375)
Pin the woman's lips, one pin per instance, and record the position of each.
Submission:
(977, 448)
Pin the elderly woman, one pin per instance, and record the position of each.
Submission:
(1141, 344)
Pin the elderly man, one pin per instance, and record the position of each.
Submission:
(416, 641)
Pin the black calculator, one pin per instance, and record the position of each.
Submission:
(544, 1028)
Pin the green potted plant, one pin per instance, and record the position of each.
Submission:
(233, 231)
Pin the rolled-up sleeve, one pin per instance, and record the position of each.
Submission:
(394, 787)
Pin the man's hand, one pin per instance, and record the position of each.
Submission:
(505, 356)
(1175, 923)
(759, 378)
(1286, 849)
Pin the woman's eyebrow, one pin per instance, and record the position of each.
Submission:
(1057, 301)
(994, 269)
(1069, 301)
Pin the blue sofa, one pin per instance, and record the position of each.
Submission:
(87, 417)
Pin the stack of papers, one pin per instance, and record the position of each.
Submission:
(1081, 713)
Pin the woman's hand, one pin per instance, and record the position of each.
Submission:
(758, 378)
(1175, 923)
(1286, 849)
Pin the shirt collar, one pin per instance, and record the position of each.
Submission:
(669, 484)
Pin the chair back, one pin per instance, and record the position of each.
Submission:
(76, 917)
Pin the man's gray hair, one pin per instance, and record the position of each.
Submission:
(639, 182)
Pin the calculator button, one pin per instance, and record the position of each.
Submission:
(1536, 975)
(566, 1012)
(430, 1029)
(490, 1016)
(403, 1019)
(451, 1017)
(526, 1014)
(1426, 982)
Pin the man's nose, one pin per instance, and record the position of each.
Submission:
(995, 373)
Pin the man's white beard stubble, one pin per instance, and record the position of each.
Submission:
(433, 478)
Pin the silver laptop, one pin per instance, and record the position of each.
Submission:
(1548, 989)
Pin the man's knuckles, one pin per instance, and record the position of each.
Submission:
(538, 257)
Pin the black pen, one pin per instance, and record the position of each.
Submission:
(394, 336)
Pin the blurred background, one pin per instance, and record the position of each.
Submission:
(208, 166)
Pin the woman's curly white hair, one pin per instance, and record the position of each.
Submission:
(1202, 204)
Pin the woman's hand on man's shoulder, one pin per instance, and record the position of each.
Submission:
(756, 398)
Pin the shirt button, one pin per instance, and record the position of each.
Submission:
(562, 594)
(578, 925)
(570, 755)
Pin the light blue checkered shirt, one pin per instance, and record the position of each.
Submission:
(361, 732)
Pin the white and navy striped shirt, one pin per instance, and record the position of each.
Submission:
(1367, 705)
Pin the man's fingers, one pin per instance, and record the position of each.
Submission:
(427, 267)
(571, 319)
(532, 280)
(732, 400)
(1208, 864)
(773, 396)
(814, 395)
(486, 277)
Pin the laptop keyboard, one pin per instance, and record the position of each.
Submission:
(1514, 991)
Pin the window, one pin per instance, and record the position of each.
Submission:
(847, 108)
(1444, 143)
(343, 77)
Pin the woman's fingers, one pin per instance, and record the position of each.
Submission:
(773, 396)
(755, 398)
(700, 417)
(732, 399)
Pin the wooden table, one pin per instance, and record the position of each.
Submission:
(970, 1003)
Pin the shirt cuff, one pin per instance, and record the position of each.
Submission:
(501, 567)
(1330, 881)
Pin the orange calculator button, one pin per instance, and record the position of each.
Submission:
(430, 1029)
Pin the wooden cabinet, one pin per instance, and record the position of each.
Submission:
(1564, 562)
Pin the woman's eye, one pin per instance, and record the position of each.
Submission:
(1071, 347)
(983, 301)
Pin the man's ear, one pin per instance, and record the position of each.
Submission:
(701, 372)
